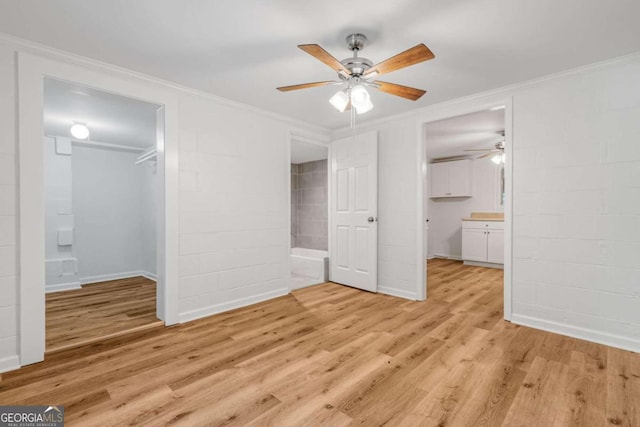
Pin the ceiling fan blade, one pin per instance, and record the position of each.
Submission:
(485, 155)
(399, 90)
(319, 53)
(304, 86)
(409, 57)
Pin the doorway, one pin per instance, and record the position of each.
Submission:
(32, 70)
(309, 233)
(101, 187)
(466, 202)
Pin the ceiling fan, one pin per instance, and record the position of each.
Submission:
(497, 152)
(357, 73)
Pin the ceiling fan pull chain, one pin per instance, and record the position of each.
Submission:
(353, 121)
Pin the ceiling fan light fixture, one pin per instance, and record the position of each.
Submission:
(364, 108)
(360, 99)
(80, 131)
(498, 158)
(339, 101)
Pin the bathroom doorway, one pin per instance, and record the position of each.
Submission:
(101, 188)
(309, 232)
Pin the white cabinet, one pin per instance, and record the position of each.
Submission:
(450, 179)
(474, 244)
(495, 246)
(483, 241)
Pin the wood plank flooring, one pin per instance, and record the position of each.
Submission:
(98, 311)
(335, 356)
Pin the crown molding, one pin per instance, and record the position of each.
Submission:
(39, 49)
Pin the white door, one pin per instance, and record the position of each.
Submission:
(354, 211)
(495, 246)
(474, 244)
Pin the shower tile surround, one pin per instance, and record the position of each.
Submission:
(309, 204)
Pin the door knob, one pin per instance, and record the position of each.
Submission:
(371, 219)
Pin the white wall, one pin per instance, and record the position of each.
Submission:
(110, 213)
(576, 180)
(445, 225)
(8, 212)
(234, 230)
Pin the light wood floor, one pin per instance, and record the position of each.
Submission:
(98, 311)
(331, 355)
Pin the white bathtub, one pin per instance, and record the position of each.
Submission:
(308, 267)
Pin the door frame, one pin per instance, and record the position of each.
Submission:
(307, 139)
(446, 112)
(31, 71)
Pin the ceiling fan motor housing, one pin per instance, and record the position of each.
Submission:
(356, 66)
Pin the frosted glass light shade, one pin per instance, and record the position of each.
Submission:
(80, 131)
(360, 99)
(340, 101)
(498, 158)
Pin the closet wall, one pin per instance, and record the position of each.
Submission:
(101, 221)
(115, 231)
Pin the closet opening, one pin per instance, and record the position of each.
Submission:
(102, 189)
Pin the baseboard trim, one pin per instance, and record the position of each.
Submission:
(397, 293)
(149, 276)
(116, 276)
(62, 287)
(231, 305)
(484, 264)
(10, 363)
(577, 332)
(443, 256)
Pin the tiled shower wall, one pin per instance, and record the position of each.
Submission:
(309, 204)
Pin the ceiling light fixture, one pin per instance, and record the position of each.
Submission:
(80, 131)
(340, 101)
(360, 99)
(498, 158)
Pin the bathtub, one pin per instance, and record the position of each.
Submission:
(308, 267)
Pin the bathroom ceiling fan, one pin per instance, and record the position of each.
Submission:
(497, 152)
(358, 73)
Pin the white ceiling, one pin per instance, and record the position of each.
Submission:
(243, 50)
(303, 152)
(450, 137)
(113, 119)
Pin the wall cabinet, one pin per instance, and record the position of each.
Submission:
(483, 241)
(450, 179)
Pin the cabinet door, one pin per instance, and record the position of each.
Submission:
(474, 244)
(459, 182)
(495, 246)
(439, 180)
